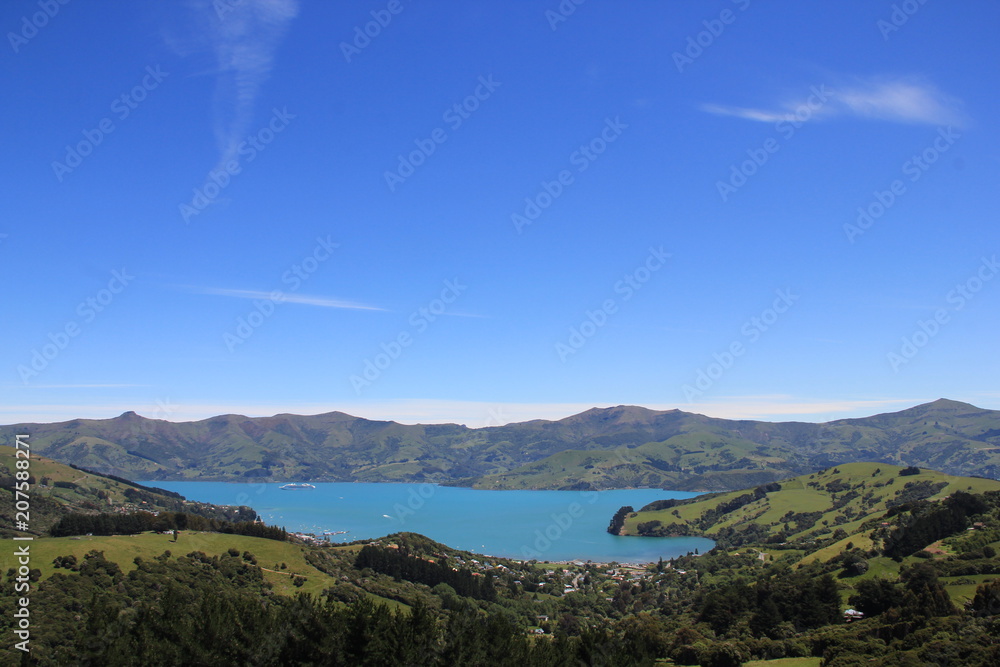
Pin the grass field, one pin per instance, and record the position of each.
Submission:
(961, 593)
(123, 549)
(51, 471)
(872, 485)
(785, 662)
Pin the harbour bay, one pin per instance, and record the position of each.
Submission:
(540, 525)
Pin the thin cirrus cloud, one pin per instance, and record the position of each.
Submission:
(86, 386)
(906, 100)
(284, 297)
(243, 38)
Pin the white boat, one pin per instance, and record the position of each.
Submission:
(297, 486)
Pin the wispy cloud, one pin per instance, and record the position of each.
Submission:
(472, 315)
(86, 386)
(243, 36)
(74, 386)
(302, 299)
(792, 408)
(759, 115)
(901, 100)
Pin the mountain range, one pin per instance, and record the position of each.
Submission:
(619, 447)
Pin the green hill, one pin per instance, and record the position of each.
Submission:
(893, 543)
(124, 549)
(56, 489)
(691, 461)
(122, 595)
(617, 447)
(839, 504)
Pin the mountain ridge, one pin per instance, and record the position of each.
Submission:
(616, 447)
(131, 414)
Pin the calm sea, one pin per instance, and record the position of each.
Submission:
(545, 525)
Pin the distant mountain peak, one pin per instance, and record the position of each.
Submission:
(948, 403)
(616, 414)
(943, 404)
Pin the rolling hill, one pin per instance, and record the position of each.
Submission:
(618, 447)
(841, 504)
(57, 489)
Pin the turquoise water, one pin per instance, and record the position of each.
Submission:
(544, 525)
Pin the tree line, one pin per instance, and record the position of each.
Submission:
(201, 610)
(133, 523)
(400, 564)
(805, 599)
(929, 522)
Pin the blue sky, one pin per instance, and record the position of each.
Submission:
(484, 212)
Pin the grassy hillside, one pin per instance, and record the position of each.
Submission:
(821, 518)
(624, 446)
(228, 599)
(57, 489)
(123, 549)
(690, 461)
(836, 502)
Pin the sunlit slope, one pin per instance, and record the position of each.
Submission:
(56, 489)
(691, 461)
(808, 507)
